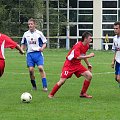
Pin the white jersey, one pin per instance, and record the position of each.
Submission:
(33, 40)
(116, 47)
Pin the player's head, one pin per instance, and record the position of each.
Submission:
(31, 24)
(87, 36)
(117, 28)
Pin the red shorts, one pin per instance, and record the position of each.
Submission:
(69, 69)
(2, 66)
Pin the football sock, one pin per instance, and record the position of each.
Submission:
(44, 82)
(85, 86)
(33, 83)
(55, 89)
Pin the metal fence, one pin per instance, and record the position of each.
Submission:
(61, 42)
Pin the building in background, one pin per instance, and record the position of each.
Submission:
(64, 21)
(76, 16)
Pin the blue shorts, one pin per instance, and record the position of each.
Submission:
(117, 68)
(34, 58)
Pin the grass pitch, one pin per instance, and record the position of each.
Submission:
(66, 105)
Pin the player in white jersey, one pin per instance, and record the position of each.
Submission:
(116, 47)
(35, 42)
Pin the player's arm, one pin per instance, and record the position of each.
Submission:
(20, 50)
(23, 42)
(44, 40)
(43, 47)
(23, 46)
(85, 56)
(113, 61)
(88, 64)
(114, 50)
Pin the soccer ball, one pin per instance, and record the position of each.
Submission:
(26, 97)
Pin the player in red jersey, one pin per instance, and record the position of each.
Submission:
(6, 42)
(73, 65)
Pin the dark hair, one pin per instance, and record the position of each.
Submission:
(117, 23)
(85, 35)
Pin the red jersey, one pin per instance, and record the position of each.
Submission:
(77, 50)
(72, 65)
(5, 42)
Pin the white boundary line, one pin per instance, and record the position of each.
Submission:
(14, 73)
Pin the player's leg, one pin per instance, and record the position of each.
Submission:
(43, 76)
(66, 73)
(31, 64)
(2, 66)
(117, 78)
(39, 60)
(56, 87)
(32, 77)
(117, 72)
(88, 77)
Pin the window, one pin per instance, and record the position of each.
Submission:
(118, 14)
(107, 26)
(85, 18)
(63, 15)
(73, 16)
(109, 32)
(109, 11)
(109, 4)
(85, 11)
(85, 4)
(81, 32)
(73, 30)
(63, 3)
(73, 3)
(109, 18)
(85, 26)
(53, 4)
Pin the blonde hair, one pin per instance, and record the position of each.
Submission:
(31, 19)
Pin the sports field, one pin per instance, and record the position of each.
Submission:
(105, 104)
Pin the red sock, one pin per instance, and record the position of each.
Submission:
(55, 89)
(85, 86)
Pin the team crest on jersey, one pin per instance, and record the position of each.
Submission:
(32, 41)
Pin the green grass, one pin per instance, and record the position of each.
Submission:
(66, 105)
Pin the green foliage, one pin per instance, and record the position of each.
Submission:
(66, 105)
(4, 20)
(14, 15)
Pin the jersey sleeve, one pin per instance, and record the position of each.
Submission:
(44, 40)
(23, 41)
(76, 52)
(113, 45)
(9, 43)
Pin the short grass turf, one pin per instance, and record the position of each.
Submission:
(67, 105)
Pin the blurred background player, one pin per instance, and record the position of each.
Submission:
(6, 42)
(116, 48)
(73, 65)
(35, 42)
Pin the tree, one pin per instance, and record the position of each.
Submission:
(14, 15)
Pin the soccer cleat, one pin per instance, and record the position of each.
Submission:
(34, 88)
(50, 96)
(85, 95)
(45, 89)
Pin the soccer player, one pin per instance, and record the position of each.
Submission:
(6, 42)
(35, 42)
(73, 65)
(116, 47)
